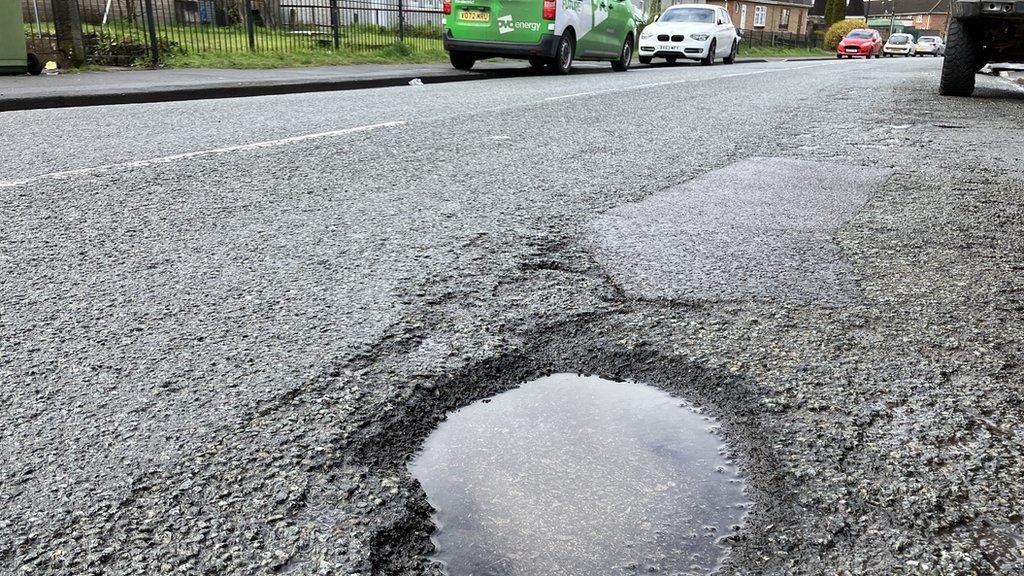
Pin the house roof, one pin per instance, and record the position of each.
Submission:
(795, 3)
(884, 7)
(800, 3)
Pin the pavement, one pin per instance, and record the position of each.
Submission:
(132, 86)
(227, 325)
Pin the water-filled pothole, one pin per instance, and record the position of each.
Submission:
(579, 475)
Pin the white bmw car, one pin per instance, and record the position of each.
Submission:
(694, 31)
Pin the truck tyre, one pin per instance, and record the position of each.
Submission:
(562, 62)
(709, 60)
(963, 51)
(35, 65)
(731, 58)
(625, 55)
(461, 61)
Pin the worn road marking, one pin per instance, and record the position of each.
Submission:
(682, 81)
(198, 153)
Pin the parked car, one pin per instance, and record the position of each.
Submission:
(980, 33)
(930, 45)
(899, 44)
(693, 31)
(860, 42)
(550, 34)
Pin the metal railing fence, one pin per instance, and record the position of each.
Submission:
(122, 32)
(761, 37)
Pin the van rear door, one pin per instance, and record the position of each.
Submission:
(519, 21)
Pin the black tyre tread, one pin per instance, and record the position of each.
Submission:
(709, 60)
(731, 58)
(619, 65)
(553, 65)
(35, 65)
(461, 61)
(961, 62)
(644, 59)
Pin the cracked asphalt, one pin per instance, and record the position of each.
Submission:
(220, 363)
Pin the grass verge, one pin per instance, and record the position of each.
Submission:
(770, 52)
(395, 54)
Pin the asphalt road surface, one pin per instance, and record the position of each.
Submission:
(225, 326)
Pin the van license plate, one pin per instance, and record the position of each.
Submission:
(475, 16)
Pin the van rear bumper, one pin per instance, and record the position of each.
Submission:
(544, 49)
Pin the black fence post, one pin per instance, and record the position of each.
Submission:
(249, 26)
(335, 24)
(154, 44)
(401, 21)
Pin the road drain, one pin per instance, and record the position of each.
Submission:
(579, 475)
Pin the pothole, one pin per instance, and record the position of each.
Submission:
(579, 475)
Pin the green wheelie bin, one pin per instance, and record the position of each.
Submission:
(14, 56)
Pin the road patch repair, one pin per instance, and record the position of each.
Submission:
(579, 475)
(758, 229)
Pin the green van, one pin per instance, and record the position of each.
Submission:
(548, 33)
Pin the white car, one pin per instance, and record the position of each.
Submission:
(694, 31)
(899, 44)
(930, 45)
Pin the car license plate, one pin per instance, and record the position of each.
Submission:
(475, 16)
(669, 47)
(852, 49)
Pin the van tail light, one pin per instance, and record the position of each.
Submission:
(549, 9)
(446, 7)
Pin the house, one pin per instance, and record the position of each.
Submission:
(926, 17)
(787, 16)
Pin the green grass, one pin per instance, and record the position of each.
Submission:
(394, 54)
(778, 52)
(228, 46)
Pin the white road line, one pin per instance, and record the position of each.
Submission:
(198, 153)
(576, 94)
(683, 81)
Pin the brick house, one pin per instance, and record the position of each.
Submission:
(767, 15)
(926, 16)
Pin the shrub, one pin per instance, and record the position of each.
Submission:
(426, 30)
(124, 48)
(842, 28)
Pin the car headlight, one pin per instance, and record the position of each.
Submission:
(646, 34)
(699, 37)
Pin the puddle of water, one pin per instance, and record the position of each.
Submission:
(574, 475)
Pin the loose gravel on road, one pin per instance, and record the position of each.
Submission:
(223, 365)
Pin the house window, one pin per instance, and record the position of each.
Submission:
(784, 19)
(760, 16)
(920, 18)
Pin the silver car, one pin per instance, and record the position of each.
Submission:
(930, 45)
(899, 44)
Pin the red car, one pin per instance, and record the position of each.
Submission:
(860, 42)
